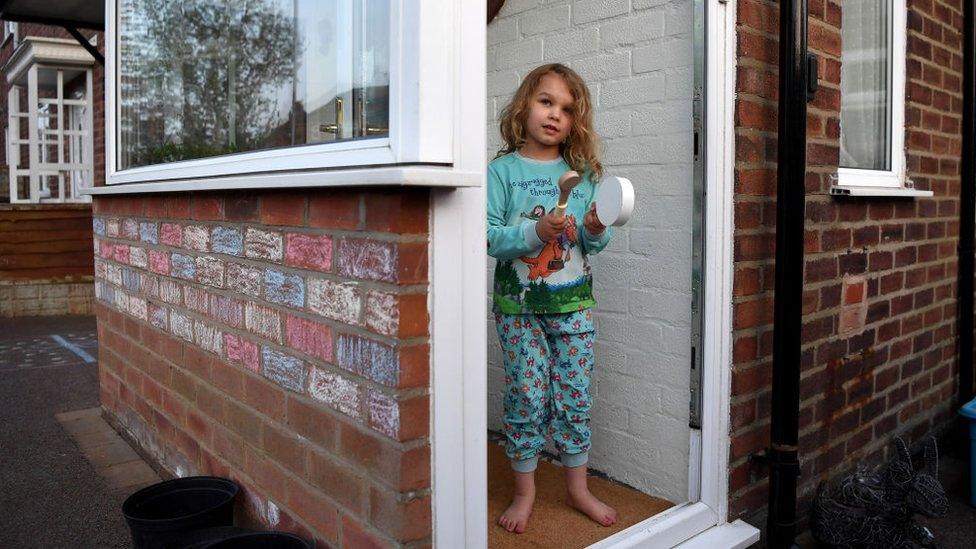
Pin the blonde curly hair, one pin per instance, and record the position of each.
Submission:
(581, 150)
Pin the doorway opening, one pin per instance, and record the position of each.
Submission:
(644, 66)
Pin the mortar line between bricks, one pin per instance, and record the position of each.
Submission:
(893, 341)
(340, 460)
(882, 298)
(304, 312)
(930, 108)
(753, 263)
(815, 398)
(332, 368)
(926, 39)
(845, 437)
(308, 400)
(284, 471)
(262, 264)
(356, 234)
(336, 457)
(761, 66)
(758, 99)
(242, 332)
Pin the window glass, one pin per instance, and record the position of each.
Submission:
(202, 78)
(865, 83)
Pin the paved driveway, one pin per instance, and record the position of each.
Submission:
(50, 495)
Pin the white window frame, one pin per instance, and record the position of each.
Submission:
(892, 182)
(459, 335)
(73, 176)
(421, 149)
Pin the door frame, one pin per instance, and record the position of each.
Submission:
(458, 319)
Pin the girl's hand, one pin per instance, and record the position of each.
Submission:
(592, 222)
(550, 226)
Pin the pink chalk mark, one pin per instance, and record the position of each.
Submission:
(309, 337)
(122, 254)
(107, 250)
(171, 234)
(130, 229)
(159, 262)
(241, 351)
(313, 252)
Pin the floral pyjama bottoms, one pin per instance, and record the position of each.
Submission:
(548, 362)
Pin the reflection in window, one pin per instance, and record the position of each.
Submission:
(865, 83)
(201, 78)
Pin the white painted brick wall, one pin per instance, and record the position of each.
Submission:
(636, 57)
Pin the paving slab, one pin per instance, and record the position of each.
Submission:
(111, 454)
(113, 458)
(129, 474)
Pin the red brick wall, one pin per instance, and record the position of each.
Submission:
(891, 260)
(280, 338)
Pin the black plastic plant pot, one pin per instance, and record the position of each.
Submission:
(261, 540)
(160, 515)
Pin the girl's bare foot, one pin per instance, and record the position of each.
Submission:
(516, 517)
(578, 497)
(584, 501)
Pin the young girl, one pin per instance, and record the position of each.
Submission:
(543, 287)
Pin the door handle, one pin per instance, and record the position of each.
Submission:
(335, 129)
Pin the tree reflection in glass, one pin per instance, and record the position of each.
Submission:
(202, 78)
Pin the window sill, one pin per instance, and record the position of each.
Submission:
(894, 192)
(396, 176)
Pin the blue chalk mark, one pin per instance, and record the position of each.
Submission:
(73, 348)
(287, 371)
(225, 240)
(182, 266)
(130, 280)
(285, 289)
(149, 232)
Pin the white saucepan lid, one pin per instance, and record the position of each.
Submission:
(614, 200)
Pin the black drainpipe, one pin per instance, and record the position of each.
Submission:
(788, 294)
(967, 206)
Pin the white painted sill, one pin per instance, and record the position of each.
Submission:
(396, 176)
(733, 535)
(854, 190)
(852, 182)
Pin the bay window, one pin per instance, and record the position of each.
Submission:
(255, 89)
